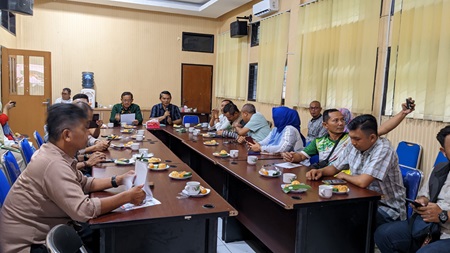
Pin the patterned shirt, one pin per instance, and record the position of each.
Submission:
(118, 109)
(315, 129)
(158, 111)
(323, 146)
(381, 162)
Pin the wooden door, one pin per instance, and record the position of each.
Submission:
(26, 79)
(196, 86)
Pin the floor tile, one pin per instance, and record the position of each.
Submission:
(222, 249)
(239, 247)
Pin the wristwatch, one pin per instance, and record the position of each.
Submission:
(113, 182)
(443, 217)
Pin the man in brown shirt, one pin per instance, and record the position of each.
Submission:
(52, 191)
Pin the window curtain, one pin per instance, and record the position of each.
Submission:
(231, 67)
(273, 44)
(337, 50)
(420, 67)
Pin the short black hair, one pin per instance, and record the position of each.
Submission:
(250, 108)
(86, 108)
(80, 95)
(126, 93)
(68, 90)
(442, 134)
(230, 108)
(227, 100)
(63, 116)
(326, 114)
(366, 122)
(166, 93)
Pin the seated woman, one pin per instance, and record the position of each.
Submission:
(347, 117)
(285, 136)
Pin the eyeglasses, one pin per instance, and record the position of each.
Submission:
(314, 108)
(64, 93)
(127, 100)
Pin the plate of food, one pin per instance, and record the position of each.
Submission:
(180, 175)
(113, 137)
(340, 189)
(124, 161)
(203, 192)
(154, 160)
(127, 130)
(177, 126)
(199, 125)
(142, 157)
(209, 135)
(222, 153)
(158, 166)
(128, 144)
(269, 173)
(117, 146)
(211, 143)
(129, 127)
(295, 187)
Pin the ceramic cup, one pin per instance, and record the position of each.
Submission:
(234, 153)
(135, 146)
(195, 133)
(251, 159)
(288, 177)
(139, 137)
(123, 124)
(325, 191)
(205, 124)
(191, 129)
(143, 151)
(140, 132)
(192, 187)
(110, 125)
(187, 125)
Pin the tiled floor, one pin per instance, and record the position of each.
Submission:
(232, 247)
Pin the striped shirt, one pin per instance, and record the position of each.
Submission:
(158, 111)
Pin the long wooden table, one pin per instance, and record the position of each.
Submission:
(293, 222)
(176, 225)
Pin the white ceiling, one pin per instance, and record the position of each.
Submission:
(201, 8)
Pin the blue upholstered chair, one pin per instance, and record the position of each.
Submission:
(411, 181)
(192, 119)
(409, 154)
(4, 187)
(12, 168)
(314, 159)
(38, 138)
(64, 239)
(440, 158)
(27, 150)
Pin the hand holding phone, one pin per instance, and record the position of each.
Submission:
(414, 203)
(249, 139)
(408, 103)
(13, 103)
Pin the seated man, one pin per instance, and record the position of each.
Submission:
(234, 116)
(396, 236)
(256, 125)
(285, 136)
(126, 107)
(65, 97)
(219, 121)
(165, 112)
(373, 164)
(52, 191)
(315, 126)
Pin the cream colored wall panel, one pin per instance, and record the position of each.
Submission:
(7, 39)
(127, 50)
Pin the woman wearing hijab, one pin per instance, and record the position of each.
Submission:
(347, 117)
(285, 136)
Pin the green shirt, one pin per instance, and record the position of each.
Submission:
(323, 146)
(118, 108)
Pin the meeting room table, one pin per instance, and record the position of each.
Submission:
(178, 224)
(283, 222)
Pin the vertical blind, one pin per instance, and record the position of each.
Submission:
(273, 44)
(337, 42)
(420, 67)
(231, 67)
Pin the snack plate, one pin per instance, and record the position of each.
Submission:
(207, 143)
(155, 168)
(339, 193)
(197, 195)
(180, 178)
(271, 173)
(119, 162)
(294, 191)
(126, 131)
(219, 155)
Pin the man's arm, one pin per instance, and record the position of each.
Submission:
(393, 122)
(242, 130)
(316, 174)
(176, 117)
(112, 117)
(362, 180)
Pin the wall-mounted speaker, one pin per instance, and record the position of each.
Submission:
(238, 29)
(17, 6)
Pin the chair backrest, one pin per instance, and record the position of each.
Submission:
(409, 154)
(440, 158)
(12, 168)
(38, 138)
(411, 181)
(192, 119)
(4, 187)
(64, 239)
(27, 150)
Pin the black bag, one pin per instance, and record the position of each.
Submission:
(324, 163)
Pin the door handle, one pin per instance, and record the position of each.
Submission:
(45, 103)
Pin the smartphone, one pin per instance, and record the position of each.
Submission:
(249, 139)
(107, 161)
(13, 103)
(334, 181)
(410, 201)
(408, 104)
(93, 123)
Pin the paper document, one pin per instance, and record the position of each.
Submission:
(128, 118)
(287, 165)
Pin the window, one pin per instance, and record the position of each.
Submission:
(255, 35)
(8, 20)
(252, 80)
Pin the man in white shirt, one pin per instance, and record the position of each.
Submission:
(65, 97)
(219, 121)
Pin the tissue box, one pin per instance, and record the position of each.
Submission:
(153, 124)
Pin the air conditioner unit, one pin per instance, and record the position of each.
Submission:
(265, 8)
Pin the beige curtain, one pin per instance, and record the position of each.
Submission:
(421, 69)
(273, 44)
(337, 49)
(231, 67)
